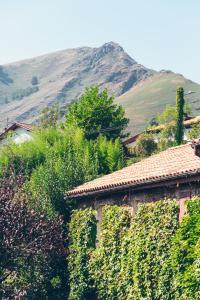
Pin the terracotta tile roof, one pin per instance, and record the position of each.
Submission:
(28, 127)
(14, 126)
(172, 163)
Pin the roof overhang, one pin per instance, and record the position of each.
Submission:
(150, 184)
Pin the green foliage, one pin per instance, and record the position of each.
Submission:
(105, 261)
(49, 116)
(146, 249)
(168, 115)
(186, 256)
(57, 160)
(82, 238)
(194, 132)
(150, 256)
(145, 145)
(166, 138)
(96, 113)
(110, 155)
(179, 116)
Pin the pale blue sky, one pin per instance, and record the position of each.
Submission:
(160, 34)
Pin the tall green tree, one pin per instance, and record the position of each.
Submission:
(96, 113)
(179, 116)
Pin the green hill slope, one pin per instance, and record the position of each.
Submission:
(150, 97)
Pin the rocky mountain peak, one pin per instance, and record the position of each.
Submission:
(110, 47)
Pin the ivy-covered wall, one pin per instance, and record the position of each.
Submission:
(105, 264)
(82, 232)
(149, 256)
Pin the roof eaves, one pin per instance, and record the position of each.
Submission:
(131, 184)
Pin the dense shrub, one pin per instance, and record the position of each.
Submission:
(70, 161)
(57, 160)
(30, 245)
(145, 145)
(82, 238)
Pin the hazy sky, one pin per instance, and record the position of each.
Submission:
(160, 34)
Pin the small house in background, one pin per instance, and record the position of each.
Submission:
(17, 132)
(170, 174)
(188, 123)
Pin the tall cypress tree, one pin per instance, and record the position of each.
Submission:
(179, 115)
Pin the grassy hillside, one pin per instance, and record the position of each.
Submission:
(151, 96)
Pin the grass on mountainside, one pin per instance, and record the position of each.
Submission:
(150, 97)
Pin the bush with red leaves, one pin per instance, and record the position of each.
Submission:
(31, 248)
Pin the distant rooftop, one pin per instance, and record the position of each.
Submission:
(14, 126)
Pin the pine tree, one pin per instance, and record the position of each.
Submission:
(179, 115)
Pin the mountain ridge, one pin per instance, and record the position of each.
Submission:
(63, 75)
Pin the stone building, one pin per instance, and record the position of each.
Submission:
(173, 173)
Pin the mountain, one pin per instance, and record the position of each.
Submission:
(62, 76)
(28, 86)
(149, 97)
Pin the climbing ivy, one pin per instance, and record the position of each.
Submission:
(146, 249)
(105, 262)
(185, 255)
(82, 234)
(149, 256)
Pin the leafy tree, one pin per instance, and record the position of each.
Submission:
(34, 80)
(194, 132)
(145, 145)
(167, 115)
(166, 138)
(30, 244)
(49, 116)
(179, 116)
(97, 114)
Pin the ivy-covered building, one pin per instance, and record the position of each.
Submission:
(170, 174)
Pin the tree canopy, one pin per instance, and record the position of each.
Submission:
(97, 114)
